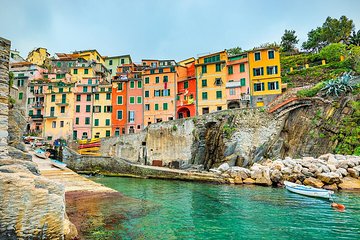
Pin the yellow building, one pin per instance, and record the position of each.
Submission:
(90, 55)
(265, 80)
(211, 73)
(102, 110)
(59, 111)
(38, 56)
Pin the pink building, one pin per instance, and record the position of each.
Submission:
(238, 84)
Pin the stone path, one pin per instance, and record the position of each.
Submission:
(71, 180)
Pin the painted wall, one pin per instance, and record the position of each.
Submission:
(186, 93)
(119, 90)
(101, 124)
(111, 63)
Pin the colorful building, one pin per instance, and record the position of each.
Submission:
(265, 80)
(90, 56)
(59, 110)
(160, 89)
(211, 75)
(111, 63)
(38, 56)
(186, 91)
(238, 84)
(119, 102)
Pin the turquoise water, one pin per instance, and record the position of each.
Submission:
(158, 209)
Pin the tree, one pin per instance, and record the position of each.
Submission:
(355, 38)
(336, 31)
(332, 52)
(315, 40)
(234, 51)
(288, 41)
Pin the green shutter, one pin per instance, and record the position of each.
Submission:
(77, 108)
(86, 71)
(218, 67)
(165, 106)
(139, 83)
(119, 115)
(119, 87)
(77, 120)
(132, 100)
(156, 106)
(204, 95)
(96, 96)
(119, 100)
(230, 70)
(108, 96)
(132, 84)
(218, 94)
(242, 82)
(204, 83)
(147, 80)
(157, 79)
(107, 133)
(146, 93)
(96, 122)
(186, 84)
(88, 108)
(52, 98)
(139, 100)
(203, 69)
(242, 67)
(107, 122)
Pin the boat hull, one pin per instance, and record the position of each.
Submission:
(90, 145)
(308, 191)
(58, 164)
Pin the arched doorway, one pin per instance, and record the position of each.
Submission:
(233, 105)
(183, 112)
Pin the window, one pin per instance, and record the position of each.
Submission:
(218, 67)
(152, 71)
(62, 109)
(242, 82)
(77, 120)
(147, 107)
(88, 108)
(119, 115)
(86, 71)
(204, 83)
(230, 70)
(107, 109)
(147, 80)
(89, 81)
(139, 100)
(165, 106)
(87, 120)
(161, 70)
(204, 96)
(96, 96)
(242, 67)
(53, 98)
(108, 96)
(58, 64)
(186, 84)
(88, 97)
(203, 69)
(131, 116)
(61, 124)
(96, 122)
(165, 79)
(21, 95)
(107, 133)
(218, 94)
(132, 100)
(157, 80)
(102, 89)
(110, 62)
(122, 61)
(85, 89)
(147, 94)
(258, 71)
(53, 124)
(61, 90)
(258, 87)
(156, 106)
(166, 92)
(52, 111)
(75, 71)
(97, 109)
(119, 86)
(271, 54)
(218, 108)
(31, 112)
(172, 69)
(270, 70)
(107, 122)
(257, 56)
(205, 110)
(273, 85)
(77, 108)
(218, 82)
(214, 58)
(139, 83)
(132, 84)
(119, 100)
(78, 98)
(232, 91)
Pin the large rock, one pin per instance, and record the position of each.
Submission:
(329, 178)
(31, 166)
(249, 181)
(224, 167)
(353, 172)
(342, 172)
(18, 154)
(349, 183)
(276, 176)
(313, 182)
(239, 171)
(238, 180)
(262, 177)
(332, 187)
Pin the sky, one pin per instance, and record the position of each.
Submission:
(162, 29)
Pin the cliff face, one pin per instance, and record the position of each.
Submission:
(31, 207)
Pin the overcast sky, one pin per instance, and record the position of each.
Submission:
(162, 29)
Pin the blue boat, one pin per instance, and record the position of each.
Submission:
(308, 191)
(57, 164)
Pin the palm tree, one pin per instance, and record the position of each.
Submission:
(355, 38)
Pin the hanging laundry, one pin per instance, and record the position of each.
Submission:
(165, 85)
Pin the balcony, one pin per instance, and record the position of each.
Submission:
(38, 117)
(38, 105)
(38, 92)
(62, 103)
(52, 115)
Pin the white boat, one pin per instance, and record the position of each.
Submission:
(57, 164)
(41, 153)
(307, 190)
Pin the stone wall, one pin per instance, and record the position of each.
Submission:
(4, 92)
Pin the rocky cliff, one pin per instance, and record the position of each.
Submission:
(31, 207)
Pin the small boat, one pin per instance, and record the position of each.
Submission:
(307, 190)
(57, 164)
(86, 141)
(89, 145)
(41, 153)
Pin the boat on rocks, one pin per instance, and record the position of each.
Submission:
(41, 153)
(57, 164)
(307, 190)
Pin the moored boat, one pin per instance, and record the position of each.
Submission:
(58, 164)
(307, 190)
(86, 141)
(90, 145)
(41, 153)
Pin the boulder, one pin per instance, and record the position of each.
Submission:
(329, 178)
(213, 170)
(230, 180)
(264, 179)
(325, 169)
(297, 168)
(313, 168)
(238, 180)
(288, 162)
(313, 182)
(353, 172)
(332, 167)
(249, 181)
(223, 167)
(277, 164)
(349, 183)
(17, 154)
(354, 161)
(286, 170)
(310, 159)
(332, 187)
(340, 157)
(240, 171)
(342, 172)
(276, 176)
(326, 156)
(343, 164)
(332, 160)
(298, 182)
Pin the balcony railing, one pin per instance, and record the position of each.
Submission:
(52, 115)
(38, 105)
(37, 117)
(62, 103)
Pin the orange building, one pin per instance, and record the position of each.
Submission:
(119, 102)
(186, 91)
(160, 88)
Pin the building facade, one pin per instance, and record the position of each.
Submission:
(111, 63)
(38, 56)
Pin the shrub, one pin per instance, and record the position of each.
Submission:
(332, 52)
(311, 92)
(338, 86)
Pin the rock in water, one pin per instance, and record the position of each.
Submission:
(331, 187)
(349, 183)
(329, 178)
(249, 181)
(313, 182)
(224, 167)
